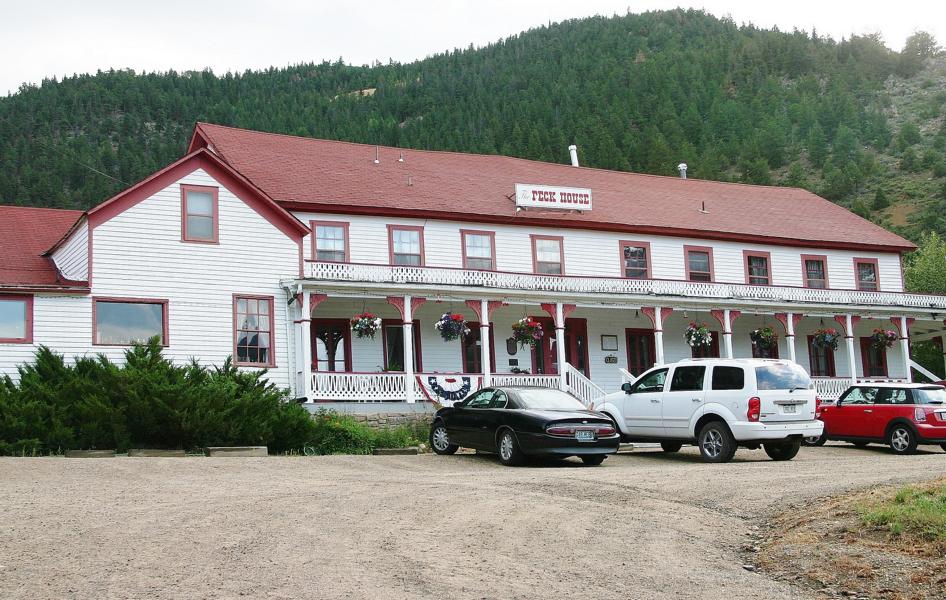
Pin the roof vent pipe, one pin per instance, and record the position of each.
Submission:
(573, 151)
(682, 167)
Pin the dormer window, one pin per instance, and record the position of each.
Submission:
(199, 214)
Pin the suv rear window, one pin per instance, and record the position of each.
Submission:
(729, 378)
(786, 376)
(687, 379)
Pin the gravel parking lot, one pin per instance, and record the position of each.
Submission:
(643, 525)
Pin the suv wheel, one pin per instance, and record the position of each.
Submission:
(902, 440)
(782, 450)
(717, 444)
(671, 447)
(815, 440)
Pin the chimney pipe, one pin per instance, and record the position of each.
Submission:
(682, 167)
(573, 151)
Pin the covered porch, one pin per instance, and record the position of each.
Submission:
(598, 342)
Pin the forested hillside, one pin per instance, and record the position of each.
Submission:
(852, 120)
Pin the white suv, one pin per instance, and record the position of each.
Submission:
(719, 404)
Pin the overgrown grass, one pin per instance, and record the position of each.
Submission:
(916, 511)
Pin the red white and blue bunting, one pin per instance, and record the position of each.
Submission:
(447, 389)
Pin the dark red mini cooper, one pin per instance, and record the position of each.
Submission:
(902, 415)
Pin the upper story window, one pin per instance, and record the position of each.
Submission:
(406, 245)
(479, 250)
(126, 321)
(635, 260)
(16, 319)
(815, 271)
(699, 263)
(330, 241)
(547, 255)
(253, 331)
(757, 268)
(865, 274)
(199, 212)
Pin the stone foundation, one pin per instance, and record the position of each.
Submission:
(393, 419)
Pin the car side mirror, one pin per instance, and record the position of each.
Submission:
(626, 386)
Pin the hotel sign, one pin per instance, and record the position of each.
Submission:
(548, 196)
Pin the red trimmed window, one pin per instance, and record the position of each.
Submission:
(635, 260)
(479, 250)
(757, 268)
(127, 321)
(199, 213)
(699, 265)
(815, 271)
(547, 254)
(865, 274)
(16, 319)
(406, 245)
(330, 241)
(392, 342)
(331, 345)
(821, 360)
(711, 351)
(873, 359)
(760, 352)
(253, 331)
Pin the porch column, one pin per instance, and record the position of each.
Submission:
(788, 321)
(725, 318)
(656, 315)
(848, 322)
(903, 325)
(560, 345)
(943, 339)
(485, 343)
(305, 333)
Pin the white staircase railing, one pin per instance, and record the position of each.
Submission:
(922, 371)
(581, 387)
(626, 376)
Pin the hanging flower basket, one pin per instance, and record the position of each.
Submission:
(883, 338)
(698, 334)
(527, 332)
(365, 325)
(451, 326)
(827, 338)
(763, 338)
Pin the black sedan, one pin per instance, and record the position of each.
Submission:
(520, 422)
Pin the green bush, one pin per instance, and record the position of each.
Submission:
(342, 434)
(145, 402)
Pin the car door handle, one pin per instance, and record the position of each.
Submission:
(697, 399)
(655, 400)
(867, 410)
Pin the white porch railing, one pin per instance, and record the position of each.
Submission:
(611, 285)
(512, 380)
(359, 387)
(831, 388)
(587, 391)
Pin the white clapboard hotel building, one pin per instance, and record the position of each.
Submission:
(264, 247)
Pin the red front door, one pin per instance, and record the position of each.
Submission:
(545, 354)
(641, 354)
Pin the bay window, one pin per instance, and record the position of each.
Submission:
(16, 319)
(127, 321)
(253, 331)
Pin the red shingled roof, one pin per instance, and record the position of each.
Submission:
(25, 234)
(330, 176)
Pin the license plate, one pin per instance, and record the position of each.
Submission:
(790, 409)
(584, 435)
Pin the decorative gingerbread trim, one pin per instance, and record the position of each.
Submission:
(842, 320)
(896, 322)
(398, 303)
(651, 314)
(491, 305)
(567, 309)
(783, 319)
(416, 303)
(315, 300)
(720, 315)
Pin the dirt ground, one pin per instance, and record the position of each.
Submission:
(643, 525)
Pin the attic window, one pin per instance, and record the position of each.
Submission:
(199, 214)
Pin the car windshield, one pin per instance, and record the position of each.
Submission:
(544, 399)
(930, 395)
(782, 376)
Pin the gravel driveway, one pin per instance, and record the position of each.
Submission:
(643, 525)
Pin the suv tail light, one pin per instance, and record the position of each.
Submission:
(919, 414)
(755, 409)
(817, 406)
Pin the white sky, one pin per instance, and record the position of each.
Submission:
(43, 38)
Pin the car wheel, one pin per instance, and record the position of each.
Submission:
(860, 444)
(508, 449)
(440, 440)
(717, 444)
(902, 440)
(671, 447)
(815, 440)
(593, 460)
(782, 450)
